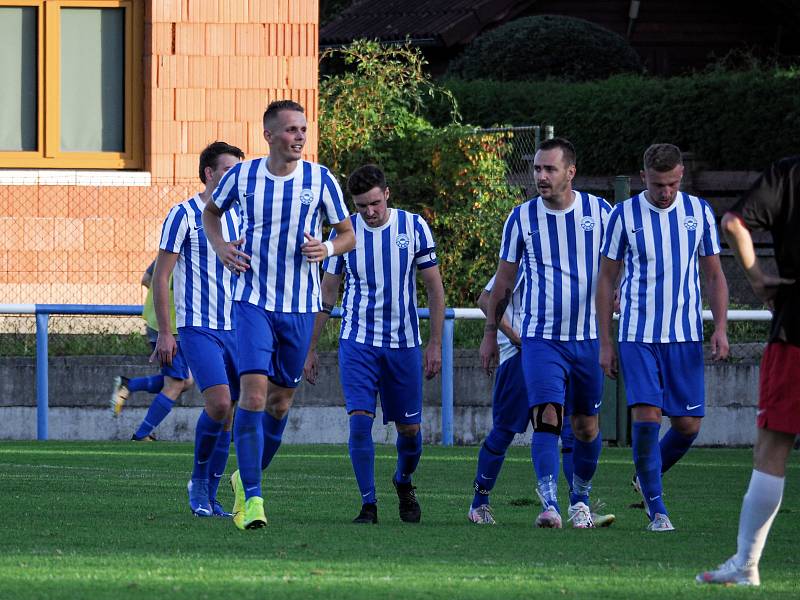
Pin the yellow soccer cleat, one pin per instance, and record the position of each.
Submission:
(238, 500)
(119, 395)
(254, 517)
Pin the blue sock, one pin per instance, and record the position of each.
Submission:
(273, 434)
(362, 456)
(146, 384)
(490, 461)
(673, 446)
(647, 458)
(567, 449)
(205, 438)
(248, 435)
(544, 453)
(585, 459)
(409, 449)
(158, 411)
(218, 462)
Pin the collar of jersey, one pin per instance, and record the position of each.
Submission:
(392, 218)
(274, 177)
(662, 211)
(563, 211)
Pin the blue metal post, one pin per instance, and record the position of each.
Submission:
(447, 378)
(42, 375)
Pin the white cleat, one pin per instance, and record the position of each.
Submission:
(482, 515)
(581, 516)
(601, 520)
(549, 519)
(660, 522)
(728, 573)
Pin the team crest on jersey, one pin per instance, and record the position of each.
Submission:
(690, 223)
(587, 223)
(306, 196)
(402, 241)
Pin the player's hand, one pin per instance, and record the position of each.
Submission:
(720, 349)
(608, 360)
(166, 349)
(234, 259)
(311, 368)
(767, 288)
(313, 249)
(432, 360)
(489, 352)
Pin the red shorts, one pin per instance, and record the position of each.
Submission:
(779, 389)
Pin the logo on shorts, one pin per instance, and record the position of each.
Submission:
(306, 196)
(402, 241)
(690, 223)
(692, 406)
(587, 223)
(408, 416)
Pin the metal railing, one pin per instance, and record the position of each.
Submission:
(43, 312)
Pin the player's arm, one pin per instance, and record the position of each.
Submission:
(504, 325)
(166, 346)
(604, 304)
(316, 251)
(432, 359)
(499, 299)
(717, 288)
(741, 242)
(228, 252)
(329, 290)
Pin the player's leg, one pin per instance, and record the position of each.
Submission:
(546, 368)
(510, 415)
(222, 448)
(359, 373)
(567, 449)
(124, 387)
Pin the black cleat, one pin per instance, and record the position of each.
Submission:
(148, 438)
(410, 511)
(368, 514)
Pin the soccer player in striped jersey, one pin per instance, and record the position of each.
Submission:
(658, 238)
(282, 201)
(203, 312)
(556, 239)
(379, 343)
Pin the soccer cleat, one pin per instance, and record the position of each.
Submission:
(368, 514)
(238, 500)
(410, 511)
(601, 520)
(218, 511)
(119, 395)
(148, 438)
(198, 497)
(728, 573)
(549, 519)
(581, 516)
(254, 517)
(482, 515)
(660, 522)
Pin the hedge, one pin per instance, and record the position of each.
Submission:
(736, 121)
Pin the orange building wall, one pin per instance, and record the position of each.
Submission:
(210, 67)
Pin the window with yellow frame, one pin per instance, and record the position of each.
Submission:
(72, 84)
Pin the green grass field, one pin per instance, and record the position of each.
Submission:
(109, 520)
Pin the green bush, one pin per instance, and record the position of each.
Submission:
(737, 121)
(544, 47)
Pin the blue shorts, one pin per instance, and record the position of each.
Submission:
(510, 398)
(566, 373)
(274, 344)
(179, 369)
(395, 373)
(669, 376)
(211, 354)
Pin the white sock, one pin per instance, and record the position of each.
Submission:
(759, 507)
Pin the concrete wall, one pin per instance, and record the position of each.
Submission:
(80, 389)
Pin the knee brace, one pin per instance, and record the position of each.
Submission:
(538, 419)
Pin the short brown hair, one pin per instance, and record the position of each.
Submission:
(210, 156)
(364, 178)
(568, 150)
(662, 157)
(277, 106)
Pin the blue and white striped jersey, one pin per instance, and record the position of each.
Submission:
(380, 292)
(660, 289)
(275, 212)
(559, 252)
(203, 286)
(513, 314)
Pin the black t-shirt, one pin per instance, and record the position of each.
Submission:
(773, 204)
